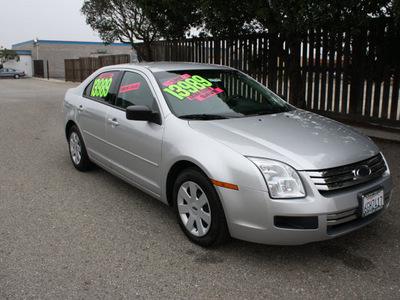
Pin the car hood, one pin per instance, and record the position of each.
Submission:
(302, 139)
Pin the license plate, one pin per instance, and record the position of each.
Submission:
(372, 202)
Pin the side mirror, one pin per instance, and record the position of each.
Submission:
(142, 113)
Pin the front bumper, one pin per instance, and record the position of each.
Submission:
(252, 216)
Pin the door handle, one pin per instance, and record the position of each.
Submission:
(80, 108)
(113, 122)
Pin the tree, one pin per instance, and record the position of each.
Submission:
(171, 18)
(395, 10)
(8, 54)
(223, 19)
(121, 20)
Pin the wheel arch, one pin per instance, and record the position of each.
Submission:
(68, 126)
(173, 173)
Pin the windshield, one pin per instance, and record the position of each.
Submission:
(217, 94)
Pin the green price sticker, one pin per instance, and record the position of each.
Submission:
(187, 87)
(101, 86)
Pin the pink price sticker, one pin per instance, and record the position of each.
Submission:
(129, 87)
(205, 93)
(106, 76)
(176, 79)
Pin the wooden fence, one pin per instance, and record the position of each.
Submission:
(79, 69)
(341, 76)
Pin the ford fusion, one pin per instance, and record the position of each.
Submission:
(230, 156)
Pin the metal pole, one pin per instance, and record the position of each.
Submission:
(36, 44)
(48, 75)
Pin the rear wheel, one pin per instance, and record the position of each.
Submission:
(77, 150)
(199, 210)
(16, 76)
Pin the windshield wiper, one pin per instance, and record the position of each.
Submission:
(203, 117)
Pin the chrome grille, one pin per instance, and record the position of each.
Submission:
(343, 217)
(346, 176)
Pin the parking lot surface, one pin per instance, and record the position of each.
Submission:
(71, 235)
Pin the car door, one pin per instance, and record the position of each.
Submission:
(91, 115)
(136, 145)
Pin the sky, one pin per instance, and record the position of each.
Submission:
(26, 20)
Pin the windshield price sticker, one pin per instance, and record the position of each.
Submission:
(191, 87)
(129, 87)
(102, 85)
(372, 202)
(175, 80)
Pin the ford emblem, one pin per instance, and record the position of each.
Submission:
(362, 171)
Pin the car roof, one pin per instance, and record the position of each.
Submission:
(172, 66)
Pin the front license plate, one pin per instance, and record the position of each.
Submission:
(372, 202)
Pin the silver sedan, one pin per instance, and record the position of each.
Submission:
(9, 72)
(230, 156)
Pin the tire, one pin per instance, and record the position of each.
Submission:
(77, 150)
(201, 217)
(16, 76)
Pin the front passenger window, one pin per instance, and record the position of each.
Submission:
(134, 90)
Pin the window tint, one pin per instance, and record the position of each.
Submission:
(99, 88)
(134, 90)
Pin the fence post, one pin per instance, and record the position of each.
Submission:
(297, 88)
(217, 52)
(272, 61)
(358, 73)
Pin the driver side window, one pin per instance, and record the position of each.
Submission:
(134, 90)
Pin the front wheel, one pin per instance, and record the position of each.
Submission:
(16, 76)
(199, 210)
(77, 150)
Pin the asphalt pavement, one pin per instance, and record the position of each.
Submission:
(71, 235)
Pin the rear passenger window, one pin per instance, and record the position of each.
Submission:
(134, 90)
(100, 87)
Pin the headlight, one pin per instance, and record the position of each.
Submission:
(387, 166)
(282, 180)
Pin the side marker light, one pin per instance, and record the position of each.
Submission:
(225, 185)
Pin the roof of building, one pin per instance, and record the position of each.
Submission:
(24, 52)
(67, 43)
